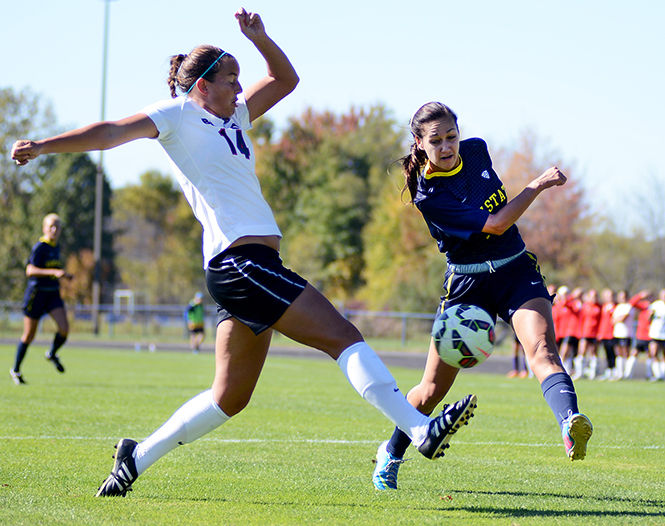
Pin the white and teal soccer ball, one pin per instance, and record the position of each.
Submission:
(463, 335)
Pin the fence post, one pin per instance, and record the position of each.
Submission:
(404, 330)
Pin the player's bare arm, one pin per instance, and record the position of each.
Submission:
(98, 136)
(281, 78)
(59, 273)
(501, 221)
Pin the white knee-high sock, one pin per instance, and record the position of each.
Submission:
(192, 420)
(649, 370)
(371, 378)
(630, 363)
(579, 364)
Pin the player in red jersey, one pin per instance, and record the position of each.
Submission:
(606, 330)
(557, 307)
(589, 321)
(641, 303)
(570, 327)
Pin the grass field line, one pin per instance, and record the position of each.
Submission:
(333, 441)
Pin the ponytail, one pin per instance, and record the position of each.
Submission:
(176, 62)
(202, 62)
(411, 166)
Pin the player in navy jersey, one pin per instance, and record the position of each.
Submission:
(203, 131)
(465, 206)
(42, 296)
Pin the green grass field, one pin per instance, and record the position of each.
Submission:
(301, 452)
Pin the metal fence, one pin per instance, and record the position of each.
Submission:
(169, 321)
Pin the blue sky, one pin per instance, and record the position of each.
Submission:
(587, 76)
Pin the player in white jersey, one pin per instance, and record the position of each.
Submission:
(657, 337)
(203, 132)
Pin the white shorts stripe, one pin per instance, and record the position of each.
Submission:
(241, 270)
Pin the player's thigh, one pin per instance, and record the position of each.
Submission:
(59, 315)
(312, 320)
(239, 358)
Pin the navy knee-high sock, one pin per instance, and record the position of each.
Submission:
(58, 340)
(21, 349)
(559, 393)
(398, 443)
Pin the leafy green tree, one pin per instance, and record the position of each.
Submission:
(22, 114)
(403, 267)
(68, 189)
(320, 176)
(158, 240)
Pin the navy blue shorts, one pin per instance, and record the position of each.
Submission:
(501, 292)
(249, 283)
(38, 302)
(641, 345)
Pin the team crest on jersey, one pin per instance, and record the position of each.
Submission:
(206, 121)
(485, 174)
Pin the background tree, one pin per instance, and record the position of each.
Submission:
(22, 114)
(158, 240)
(321, 177)
(68, 189)
(556, 226)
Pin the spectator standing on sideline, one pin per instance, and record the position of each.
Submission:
(657, 337)
(606, 331)
(196, 322)
(589, 321)
(640, 343)
(557, 310)
(570, 328)
(623, 318)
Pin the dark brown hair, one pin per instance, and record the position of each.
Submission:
(187, 69)
(413, 162)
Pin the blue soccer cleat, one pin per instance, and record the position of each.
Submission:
(385, 473)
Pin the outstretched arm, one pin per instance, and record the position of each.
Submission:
(281, 78)
(505, 218)
(98, 136)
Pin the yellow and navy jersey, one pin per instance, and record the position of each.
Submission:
(195, 314)
(44, 255)
(456, 205)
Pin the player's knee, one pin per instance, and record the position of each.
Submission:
(542, 353)
(232, 404)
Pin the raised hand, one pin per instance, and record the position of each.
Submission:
(251, 24)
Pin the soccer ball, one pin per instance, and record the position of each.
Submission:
(463, 335)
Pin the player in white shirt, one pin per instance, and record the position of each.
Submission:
(657, 335)
(203, 132)
(623, 318)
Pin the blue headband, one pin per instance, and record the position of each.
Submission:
(205, 72)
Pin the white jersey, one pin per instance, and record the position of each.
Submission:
(624, 320)
(657, 326)
(213, 160)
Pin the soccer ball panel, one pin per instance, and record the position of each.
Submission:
(463, 335)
